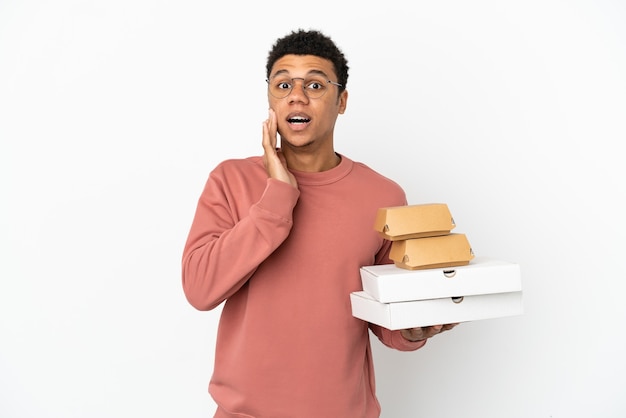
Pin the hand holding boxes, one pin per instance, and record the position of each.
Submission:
(432, 281)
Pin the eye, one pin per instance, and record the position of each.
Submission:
(315, 85)
(283, 85)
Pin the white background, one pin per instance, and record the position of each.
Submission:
(112, 114)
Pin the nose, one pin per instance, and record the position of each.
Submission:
(297, 92)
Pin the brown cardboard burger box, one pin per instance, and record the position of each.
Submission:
(414, 221)
(430, 252)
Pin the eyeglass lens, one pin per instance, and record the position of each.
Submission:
(314, 88)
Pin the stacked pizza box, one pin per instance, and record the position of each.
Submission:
(435, 278)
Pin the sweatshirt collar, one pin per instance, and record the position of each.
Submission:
(321, 178)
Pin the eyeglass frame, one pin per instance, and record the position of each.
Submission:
(267, 80)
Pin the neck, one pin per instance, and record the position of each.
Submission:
(302, 161)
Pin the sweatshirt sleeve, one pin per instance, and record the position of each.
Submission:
(226, 243)
(392, 339)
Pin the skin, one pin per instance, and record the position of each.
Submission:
(304, 147)
(310, 147)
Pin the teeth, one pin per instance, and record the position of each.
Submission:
(298, 119)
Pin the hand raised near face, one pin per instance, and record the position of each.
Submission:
(273, 158)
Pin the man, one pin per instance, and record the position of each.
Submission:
(280, 238)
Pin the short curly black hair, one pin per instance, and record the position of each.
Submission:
(311, 42)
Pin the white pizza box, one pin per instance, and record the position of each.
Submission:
(422, 313)
(390, 283)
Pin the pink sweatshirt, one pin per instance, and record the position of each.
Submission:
(285, 261)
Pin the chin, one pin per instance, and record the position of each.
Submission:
(296, 144)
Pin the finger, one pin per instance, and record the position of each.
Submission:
(272, 128)
(432, 330)
(413, 334)
(273, 125)
(267, 142)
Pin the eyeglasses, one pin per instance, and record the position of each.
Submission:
(314, 87)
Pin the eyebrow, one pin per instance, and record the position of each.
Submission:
(311, 72)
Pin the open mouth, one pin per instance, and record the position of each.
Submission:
(298, 120)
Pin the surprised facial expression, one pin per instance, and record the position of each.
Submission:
(304, 94)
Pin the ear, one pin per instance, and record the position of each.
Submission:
(343, 101)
